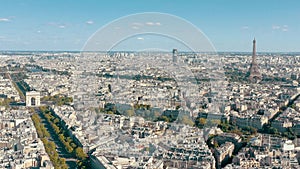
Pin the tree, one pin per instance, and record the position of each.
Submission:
(202, 121)
(212, 122)
(253, 130)
(63, 164)
(46, 133)
(129, 112)
(186, 120)
(80, 153)
(216, 144)
(56, 120)
(56, 129)
(73, 145)
(273, 130)
(163, 118)
(225, 126)
(61, 137)
(43, 109)
(68, 139)
(110, 112)
(68, 147)
(51, 145)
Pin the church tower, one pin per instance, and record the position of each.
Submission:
(255, 75)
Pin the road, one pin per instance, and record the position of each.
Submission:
(70, 160)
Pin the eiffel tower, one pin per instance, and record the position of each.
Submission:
(255, 75)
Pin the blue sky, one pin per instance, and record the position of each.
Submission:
(229, 24)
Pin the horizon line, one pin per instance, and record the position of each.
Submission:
(78, 51)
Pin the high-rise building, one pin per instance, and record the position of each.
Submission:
(175, 59)
(255, 75)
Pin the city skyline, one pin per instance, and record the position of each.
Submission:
(67, 25)
(149, 84)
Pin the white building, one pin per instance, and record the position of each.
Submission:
(33, 98)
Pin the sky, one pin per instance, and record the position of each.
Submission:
(230, 25)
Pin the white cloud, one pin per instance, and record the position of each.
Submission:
(58, 25)
(4, 20)
(140, 38)
(153, 23)
(245, 27)
(137, 24)
(135, 27)
(150, 23)
(90, 22)
(275, 27)
(283, 28)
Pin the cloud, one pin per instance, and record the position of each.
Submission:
(140, 38)
(283, 28)
(245, 27)
(275, 27)
(4, 20)
(153, 23)
(89, 22)
(58, 25)
(150, 23)
(137, 24)
(135, 27)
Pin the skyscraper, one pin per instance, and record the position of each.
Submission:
(175, 55)
(255, 75)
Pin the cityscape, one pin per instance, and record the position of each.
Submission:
(141, 94)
